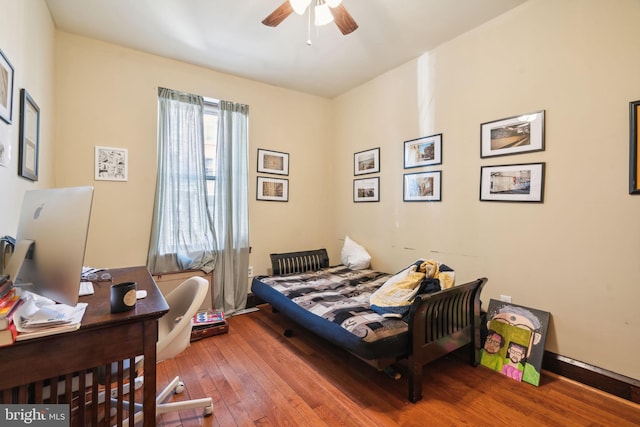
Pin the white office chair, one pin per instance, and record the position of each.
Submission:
(174, 335)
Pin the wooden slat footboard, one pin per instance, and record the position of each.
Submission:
(440, 323)
(299, 262)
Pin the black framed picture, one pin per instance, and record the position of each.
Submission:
(6, 88)
(273, 162)
(366, 162)
(514, 135)
(425, 151)
(422, 187)
(366, 190)
(29, 136)
(512, 183)
(634, 140)
(272, 189)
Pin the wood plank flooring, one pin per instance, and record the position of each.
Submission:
(257, 377)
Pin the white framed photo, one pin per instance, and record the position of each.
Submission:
(111, 164)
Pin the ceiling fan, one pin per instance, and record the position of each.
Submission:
(325, 11)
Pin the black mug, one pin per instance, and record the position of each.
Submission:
(123, 297)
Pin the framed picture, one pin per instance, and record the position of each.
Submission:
(111, 164)
(634, 154)
(273, 162)
(28, 137)
(272, 189)
(512, 183)
(6, 88)
(422, 187)
(513, 340)
(366, 162)
(513, 135)
(366, 190)
(424, 151)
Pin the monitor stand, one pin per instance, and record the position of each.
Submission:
(16, 269)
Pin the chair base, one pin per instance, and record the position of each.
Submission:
(176, 386)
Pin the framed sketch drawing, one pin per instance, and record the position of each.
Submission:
(6, 88)
(424, 151)
(512, 183)
(422, 187)
(29, 137)
(272, 189)
(111, 164)
(366, 190)
(366, 162)
(634, 144)
(513, 135)
(273, 162)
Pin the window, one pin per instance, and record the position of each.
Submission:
(210, 146)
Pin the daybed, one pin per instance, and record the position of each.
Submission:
(333, 302)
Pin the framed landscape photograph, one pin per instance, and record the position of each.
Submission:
(366, 190)
(272, 189)
(6, 88)
(29, 137)
(634, 142)
(366, 162)
(513, 135)
(111, 164)
(425, 151)
(273, 162)
(512, 183)
(422, 187)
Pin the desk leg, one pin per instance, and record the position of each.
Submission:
(149, 399)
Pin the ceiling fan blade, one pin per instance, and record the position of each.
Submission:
(343, 20)
(278, 15)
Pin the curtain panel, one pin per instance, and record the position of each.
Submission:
(182, 235)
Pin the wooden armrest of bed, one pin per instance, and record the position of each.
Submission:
(299, 262)
(440, 323)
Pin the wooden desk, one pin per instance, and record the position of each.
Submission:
(26, 367)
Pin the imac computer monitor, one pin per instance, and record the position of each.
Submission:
(56, 220)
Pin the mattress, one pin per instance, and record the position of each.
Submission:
(333, 303)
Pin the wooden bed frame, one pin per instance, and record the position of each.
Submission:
(439, 323)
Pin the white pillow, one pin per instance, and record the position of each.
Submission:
(354, 256)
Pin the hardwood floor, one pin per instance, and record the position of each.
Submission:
(257, 377)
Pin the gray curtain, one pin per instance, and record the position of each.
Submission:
(231, 208)
(182, 236)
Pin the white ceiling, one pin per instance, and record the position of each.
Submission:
(228, 36)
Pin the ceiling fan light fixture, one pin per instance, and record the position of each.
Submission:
(323, 15)
(299, 6)
(333, 3)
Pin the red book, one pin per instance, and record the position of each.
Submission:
(208, 318)
(8, 335)
(6, 312)
(8, 297)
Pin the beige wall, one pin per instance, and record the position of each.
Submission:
(110, 99)
(576, 255)
(27, 40)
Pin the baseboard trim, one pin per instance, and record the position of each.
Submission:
(593, 376)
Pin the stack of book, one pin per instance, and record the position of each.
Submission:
(9, 302)
(207, 323)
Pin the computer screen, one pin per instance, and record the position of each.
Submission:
(57, 221)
